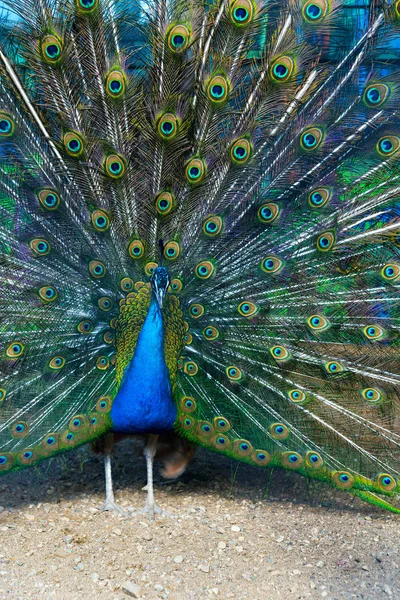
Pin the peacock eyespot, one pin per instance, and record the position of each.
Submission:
(136, 249)
(6, 461)
(204, 269)
(48, 293)
(86, 6)
(195, 170)
(115, 83)
(210, 333)
(102, 363)
(373, 332)
(240, 151)
(171, 250)
(241, 12)
(57, 363)
(100, 220)
(108, 337)
(371, 395)
(85, 327)
(149, 268)
(221, 424)
(271, 264)
(376, 94)
(49, 199)
(292, 460)
(247, 309)
(50, 442)
(73, 144)
(333, 367)
(326, 241)
(2, 394)
(126, 284)
(234, 373)
(40, 247)
(282, 69)
(386, 482)
(15, 350)
(103, 404)
(297, 396)
(97, 269)
(20, 429)
(114, 166)
(27, 456)
(165, 203)
(261, 457)
(105, 303)
(387, 146)
(314, 460)
(188, 339)
(196, 310)
(176, 285)
(319, 197)
(217, 89)
(311, 138)
(267, 213)
(212, 226)
(6, 125)
(318, 323)
(178, 38)
(51, 48)
(190, 368)
(343, 479)
(167, 126)
(315, 10)
(188, 404)
(279, 431)
(391, 271)
(279, 353)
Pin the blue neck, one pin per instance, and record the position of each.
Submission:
(144, 403)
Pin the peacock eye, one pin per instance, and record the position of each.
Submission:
(114, 166)
(221, 424)
(279, 353)
(100, 220)
(2, 394)
(240, 151)
(217, 89)
(212, 226)
(15, 350)
(326, 241)
(190, 368)
(6, 125)
(371, 395)
(150, 268)
(105, 303)
(167, 126)
(297, 396)
(282, 69)
(196, 310)
(102, 363)
(319, 197)
(279, 431)
(40, 247)
(334, 367)
(126, 284)
(267, 213)
(103, 404)
(311, 138)
(49, 199)
(386, 482)
(315, 10)
(387, 146)
(20, 429)
(165, 202)
(314, 460)
(247, 309)
(48, 293)
(86, 5)
(171, 250)
(234, 373)
(73, 144)
(391, 271)
(176, 285)
(271, 264)
(97, 269)
(57, 362)
(115, 83)
(318, 323)
(136, 249)
(373, 332)
(195, 170)
(376, 94)
(210, 333)
(242, 12)
(188, 404)
(343, 479)
(178, 38)
(204, 269)
(51, 48)
(85, 327)
(292, 460)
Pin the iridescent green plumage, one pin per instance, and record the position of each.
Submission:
(252, 150)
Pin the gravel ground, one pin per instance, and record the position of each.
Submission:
(235, 532)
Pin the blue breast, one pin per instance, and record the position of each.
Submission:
(144, 402)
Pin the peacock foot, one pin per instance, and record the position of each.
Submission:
(113, 506)
(153, 509)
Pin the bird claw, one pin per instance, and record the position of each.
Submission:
(112, 506)
(151, 510)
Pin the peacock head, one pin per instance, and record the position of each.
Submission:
(159, 283)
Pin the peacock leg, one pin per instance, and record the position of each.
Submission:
(110, 503)
(149, 451)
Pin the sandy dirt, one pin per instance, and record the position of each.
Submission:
(235, 532)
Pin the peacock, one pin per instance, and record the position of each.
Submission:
(200, 234)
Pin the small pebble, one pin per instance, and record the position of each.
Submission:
(131, 589)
